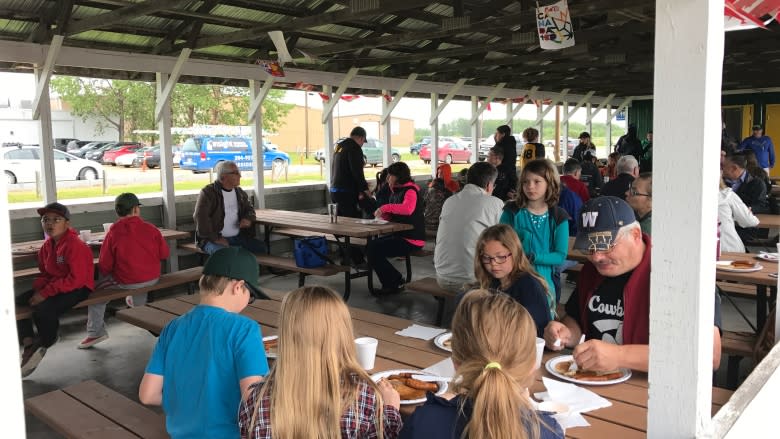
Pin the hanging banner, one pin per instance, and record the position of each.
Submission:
(349, 98)
(750, 14)
(273, 68)
(555, 28)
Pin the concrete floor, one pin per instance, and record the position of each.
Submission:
(119, 362)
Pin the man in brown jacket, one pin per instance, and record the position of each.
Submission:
(223, 214)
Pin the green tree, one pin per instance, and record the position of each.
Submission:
(122, 105)
(223, 105)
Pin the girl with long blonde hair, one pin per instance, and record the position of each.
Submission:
(493, 350)
(316, 389)
(500, 264)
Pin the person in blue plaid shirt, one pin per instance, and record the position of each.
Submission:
(317, 389)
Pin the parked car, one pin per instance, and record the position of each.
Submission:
(448, 152)
(109, 156)
(91, 146)
(490, 141)
(202, 153)
(20, 165)
(570, 145)
(126, 160)
(372, 152)
(61, 143)
(415, 149)
(152, 155)
(97, 153)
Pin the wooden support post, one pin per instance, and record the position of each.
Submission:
(435, 112)
(327, 111)
(164, 95)
(588, 119)
(558, 144)
(488, 99)
(327, 128)
(257, 94)
(510, 120)
(434, 134)
(475, 131)
(610, 116)
(166, 164)
(48, 177)
(387, 128)
(42, 80)
(566, 133)
(689, 34)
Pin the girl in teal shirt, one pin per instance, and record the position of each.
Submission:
(542, 227)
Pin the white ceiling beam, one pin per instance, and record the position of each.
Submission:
(516, 110)
(600, 107)
(577, 106)
(488, 100)
(552, 105)
(171, 83)
(43, 82)
(450, 94)
(31, 53)
(398, 96)
(331, 104)
(261, 95)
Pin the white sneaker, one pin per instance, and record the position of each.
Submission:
(91, 341)
(129, 301)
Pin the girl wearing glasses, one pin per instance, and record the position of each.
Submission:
(500, 264)
(542, 226)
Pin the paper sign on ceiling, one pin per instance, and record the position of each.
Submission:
(554, 24)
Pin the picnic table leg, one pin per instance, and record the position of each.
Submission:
(370, 270)
(761, 300)
(267, 238)
(348, 262)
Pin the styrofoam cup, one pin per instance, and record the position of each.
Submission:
(366, 351)
(107, 226)
(539, 351)
(85, 235)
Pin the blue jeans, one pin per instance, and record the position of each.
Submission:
(253, 245)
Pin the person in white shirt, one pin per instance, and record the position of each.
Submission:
(463, 217)
(223, 214)
(732, 211)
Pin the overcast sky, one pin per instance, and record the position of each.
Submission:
(19, 86)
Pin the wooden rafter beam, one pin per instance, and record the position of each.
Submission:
(123, 14)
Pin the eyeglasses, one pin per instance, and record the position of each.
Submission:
(55, 220)
(632, 191)
(500, 259)
(593, 250)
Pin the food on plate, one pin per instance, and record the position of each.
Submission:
(447, 343)
(271, 345)
(586, 375)
(742, 264)
(409, 388)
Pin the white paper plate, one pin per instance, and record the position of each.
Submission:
(550, 366)
(372, 221)
(440, 339)
(95, 242)
(270, 354)
(379, 375)
(726, 266)
(771, 257)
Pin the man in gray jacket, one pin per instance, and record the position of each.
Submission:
(223, 216)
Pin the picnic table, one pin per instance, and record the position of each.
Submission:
(760, 279)
(768, 221)
(626, 418)
(346, 228)
(28, 250)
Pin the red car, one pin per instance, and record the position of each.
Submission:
(449, 152)
(109, 157)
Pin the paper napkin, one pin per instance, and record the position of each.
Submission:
(579, 400)
(421, 332)
(443, 368)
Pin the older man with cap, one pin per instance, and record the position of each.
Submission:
(223, 215)
(129, 258)
(762, 146)
(611, 303)
(66, 278)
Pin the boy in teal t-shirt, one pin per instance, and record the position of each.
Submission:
(206, 359)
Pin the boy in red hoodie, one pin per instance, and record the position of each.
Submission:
(129, 258)
(66, 279)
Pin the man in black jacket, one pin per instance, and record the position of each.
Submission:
(347, 183)
(751, 190)
(590, 173)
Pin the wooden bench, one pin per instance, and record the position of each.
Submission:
(288, 264)
(736, 345)
(428, 285)
(167, 280)
(33, 271)
(91, 410)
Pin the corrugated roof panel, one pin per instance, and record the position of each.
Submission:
(247, 14)
(22, 28)
(215, 29)
(412, 24)
(25, 5)
(440, 9)
(154, 23)
(336, 29)
(304, 42)
(117, 38)
(82, 12)
(230, 51)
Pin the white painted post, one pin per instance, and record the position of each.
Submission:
(589, 120)
(48, 176)
(327, 128)
(166, 165)
(610, 116)
(12, 415)
(510, 117)
(434, 134)
(258, 151)
(565, 133)
(387, 126)
(690, 36)
(540, 124)
(475, 129)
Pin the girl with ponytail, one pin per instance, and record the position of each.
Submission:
(493, 349)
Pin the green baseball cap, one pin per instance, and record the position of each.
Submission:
(236, 263)
(126, 201)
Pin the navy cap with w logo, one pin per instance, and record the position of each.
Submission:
(599, 222)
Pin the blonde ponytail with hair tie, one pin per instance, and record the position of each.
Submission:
(493, 365)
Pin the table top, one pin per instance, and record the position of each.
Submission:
(28, 250)
(321, 223)
(626, 418)
(768, 221)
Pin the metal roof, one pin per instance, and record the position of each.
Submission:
(487, 41)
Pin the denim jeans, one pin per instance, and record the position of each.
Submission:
(96, 325)
(253, 245)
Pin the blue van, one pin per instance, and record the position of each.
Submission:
(202, 153)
